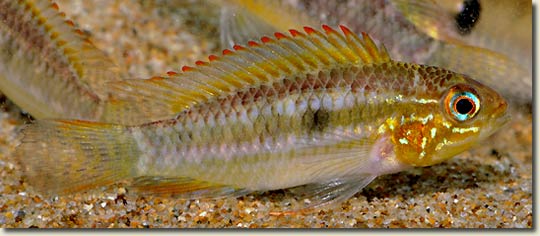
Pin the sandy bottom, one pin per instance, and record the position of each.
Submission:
(487, 187)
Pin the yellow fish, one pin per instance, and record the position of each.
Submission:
(325, 112)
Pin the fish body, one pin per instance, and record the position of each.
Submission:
(47, 66)
(325, 112)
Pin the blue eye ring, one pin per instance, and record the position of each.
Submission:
(463, 105)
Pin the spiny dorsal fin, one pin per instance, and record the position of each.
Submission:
(247, 67)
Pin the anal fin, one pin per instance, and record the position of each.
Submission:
(184, 187)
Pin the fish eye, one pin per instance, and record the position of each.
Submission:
(467, 17)
(462, 105)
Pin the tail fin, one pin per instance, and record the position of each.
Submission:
(61, 157)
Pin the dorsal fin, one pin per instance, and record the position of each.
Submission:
(251, 66)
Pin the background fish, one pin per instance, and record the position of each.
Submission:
(47, 66)
(326, 111)
(477, 23)
(496, 36)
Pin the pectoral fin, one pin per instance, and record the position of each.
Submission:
(335, 191)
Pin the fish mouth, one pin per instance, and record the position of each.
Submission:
(500, 114)
(500, 118)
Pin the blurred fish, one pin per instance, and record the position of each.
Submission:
(245, 20)
(493, 35)
(503, 26)
(325, 112)
(414, 41)
(47, 66)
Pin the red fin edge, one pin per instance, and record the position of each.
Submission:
(172, 73)
(328, 29)
(345, 30)
(212, 57)
(295, 33)
(253, 43)
(266, 39)
(238, 47)
(309, 30)
(279, 35)
(227, 52)
(187, 68)
(200, 63)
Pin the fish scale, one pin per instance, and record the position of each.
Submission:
(326, 117)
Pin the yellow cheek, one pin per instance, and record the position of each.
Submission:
(412, 141)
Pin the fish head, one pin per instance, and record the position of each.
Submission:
(463, 113)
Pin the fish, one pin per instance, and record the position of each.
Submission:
(320, 112)
(476, 23)
(500, 31)
(50, 68)
(419, 31)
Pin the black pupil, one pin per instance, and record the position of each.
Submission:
(464, 106)
(467, 18)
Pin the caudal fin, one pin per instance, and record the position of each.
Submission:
(60, 157)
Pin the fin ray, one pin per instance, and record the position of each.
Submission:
(318, 195)
(70, 155)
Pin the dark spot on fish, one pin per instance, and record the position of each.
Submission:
(321, 119)
(316, 121)
(467, 18)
